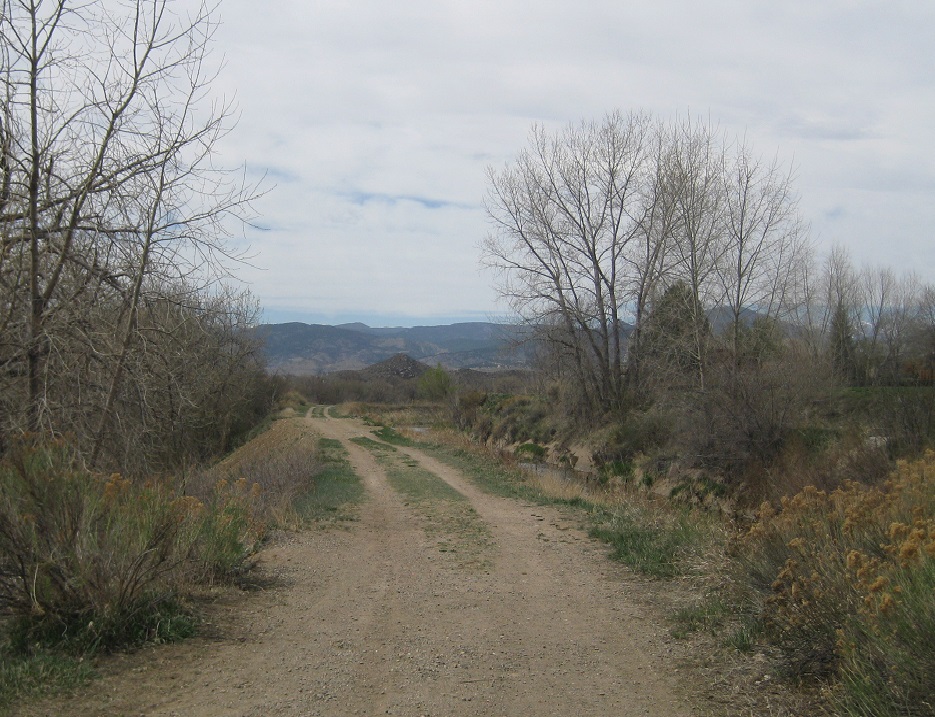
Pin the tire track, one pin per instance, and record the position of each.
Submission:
(374, 619)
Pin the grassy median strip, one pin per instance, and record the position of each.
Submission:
(448, 517)
(336, 489)
(488, 474)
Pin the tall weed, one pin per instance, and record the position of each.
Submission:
(229, 532)
(656, 545)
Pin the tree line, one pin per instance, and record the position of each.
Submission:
(668, 272)
(119, 325)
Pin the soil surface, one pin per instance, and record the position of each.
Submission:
(381, 618)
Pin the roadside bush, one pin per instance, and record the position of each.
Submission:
(843, 582)
(229, 532)
(90, 562)
(435, 384)
(739, 425)
(530, 452)
(87, 560)
(518, 419)
(637, 432)
(622, 470)
(466, 409)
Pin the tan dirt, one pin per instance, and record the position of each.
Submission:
(377, 619)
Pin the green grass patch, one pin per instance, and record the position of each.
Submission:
(372, 445)
(392, 436)
(414, 482)
(530, 452)
(647, 544)
(335, 490)
(745, 636)
(702, 616)
(331, 450)
(163, 622)
(489, 475)
(41, 673)
(419, 484)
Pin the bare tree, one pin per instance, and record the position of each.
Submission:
(110, 197)
(598, 223)
(922, 339)
(832, 315)
(694, 167)
(765, 251)
(564, 213)
(646, 259)
(889, 307)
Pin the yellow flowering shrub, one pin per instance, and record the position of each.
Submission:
(231, 532)
(845, 585)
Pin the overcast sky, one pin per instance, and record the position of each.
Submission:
(375, 121)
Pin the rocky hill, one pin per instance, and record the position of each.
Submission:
(398, 366)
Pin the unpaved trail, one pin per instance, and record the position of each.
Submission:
(377, 620)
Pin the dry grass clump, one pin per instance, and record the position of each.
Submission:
(278, 466)
(845, 585)
(566, 491)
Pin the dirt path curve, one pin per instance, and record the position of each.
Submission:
(376, 620)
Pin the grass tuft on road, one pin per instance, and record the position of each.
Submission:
(336, 489)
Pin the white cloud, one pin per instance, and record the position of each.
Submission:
(406, 104)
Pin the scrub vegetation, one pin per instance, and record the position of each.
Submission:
(829, 578)
(93, 562)
(714, 401)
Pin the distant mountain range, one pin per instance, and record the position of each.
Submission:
(310, 349)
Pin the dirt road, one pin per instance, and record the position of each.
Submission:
(381, 619)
